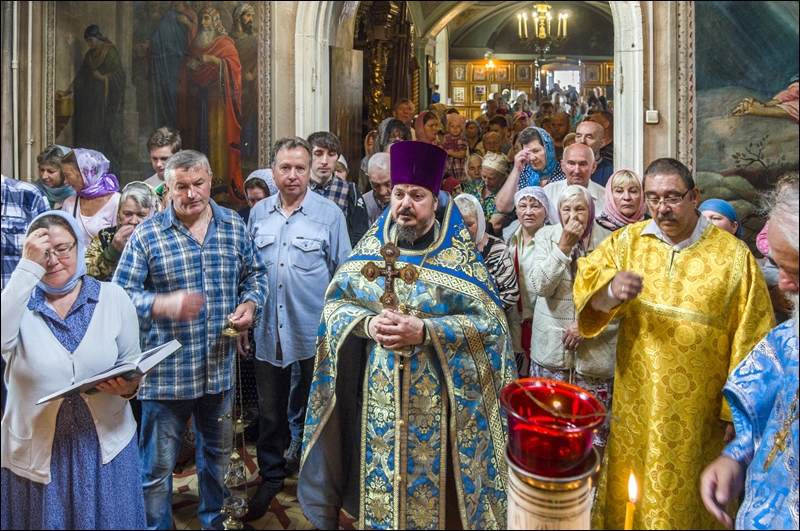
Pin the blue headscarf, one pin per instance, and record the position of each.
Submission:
(724, 208)
(81, 271)
(530, 177)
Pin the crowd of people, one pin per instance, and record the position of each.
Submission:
(521, 252)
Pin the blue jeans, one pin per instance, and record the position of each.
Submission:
(163, 424)
(298, 399)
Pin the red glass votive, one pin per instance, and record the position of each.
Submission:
(541, 442)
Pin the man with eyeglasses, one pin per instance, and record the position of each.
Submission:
(692, 303)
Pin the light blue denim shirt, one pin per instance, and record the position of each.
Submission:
(302, 252)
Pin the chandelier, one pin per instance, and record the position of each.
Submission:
(541, 37)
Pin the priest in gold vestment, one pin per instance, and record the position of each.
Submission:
(692, 303)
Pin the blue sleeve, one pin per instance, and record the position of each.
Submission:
(340, 243)
(254, 286)
(131, 273)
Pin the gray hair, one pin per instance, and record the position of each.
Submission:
(466, 207)
(784, 212)
(289, 143)
(379, 161)
(188, 159)
(142, 193)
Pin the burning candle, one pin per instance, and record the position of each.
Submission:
(565, 25)
(525, 18)
(519, 24)
(630, 507)
(549, 18)
(559, 25)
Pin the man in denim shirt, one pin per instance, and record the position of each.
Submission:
(303, 238)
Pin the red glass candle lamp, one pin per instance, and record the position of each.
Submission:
(550, 425)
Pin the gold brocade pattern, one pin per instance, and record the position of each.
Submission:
(701, 311)
(444, 399)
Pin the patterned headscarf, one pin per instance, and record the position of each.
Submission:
(215, 19)
(479, 215)
(530, 177)
(240, 10)
(266, 176)
(93, 166)
(81, 270)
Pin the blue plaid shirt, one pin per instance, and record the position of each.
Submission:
(20, 203)
(162, 257)
(335, 190)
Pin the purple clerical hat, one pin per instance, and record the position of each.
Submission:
(419, 164)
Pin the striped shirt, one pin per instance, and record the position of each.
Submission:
(20, 203)
(162, 257)
(501, 268)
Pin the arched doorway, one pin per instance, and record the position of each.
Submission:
(319, 24)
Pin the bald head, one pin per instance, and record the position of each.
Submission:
(590, 134)
(578, 164)
(379, 171)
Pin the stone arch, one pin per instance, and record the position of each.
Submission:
(320, 23)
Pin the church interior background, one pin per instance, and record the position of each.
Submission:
(673, 72)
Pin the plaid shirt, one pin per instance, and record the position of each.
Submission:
(335, 190)
(162, 257)
(20, 203)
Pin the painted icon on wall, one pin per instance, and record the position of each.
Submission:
(479, 73)
(501, 73)
(459, 73)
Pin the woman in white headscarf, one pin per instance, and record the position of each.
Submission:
(493, 250)
(533, 212)
(558, 351)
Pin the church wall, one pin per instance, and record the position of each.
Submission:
(284, 86)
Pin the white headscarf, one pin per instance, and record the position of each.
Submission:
(551, 216)
(480, 218)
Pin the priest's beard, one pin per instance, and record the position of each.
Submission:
(205, 38)
(410, 234)
(794, 299)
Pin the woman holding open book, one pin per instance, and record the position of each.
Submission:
(71, 463)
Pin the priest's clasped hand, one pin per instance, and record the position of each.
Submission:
(394, 330)
(626, 286)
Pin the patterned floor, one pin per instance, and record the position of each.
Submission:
(284, 512)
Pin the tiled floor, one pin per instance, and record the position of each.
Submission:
(284, 512)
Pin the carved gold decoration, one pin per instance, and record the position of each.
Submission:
(379, 57)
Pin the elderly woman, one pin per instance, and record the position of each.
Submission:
(71, 463)
(473, 133)
(96, 201)
(533, 212)
(474, 167)
(624, 202)
(492, 143)
(51, 179)
(493, 174)
(558, 351)
(722, 214)
(138, 202)
(534, 164)
(493, 250)
(363, 178)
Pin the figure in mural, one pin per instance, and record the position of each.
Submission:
(247, 45)
(147, 21)
(166, 49)
(99, 92)
(209, 104)
(783, 105)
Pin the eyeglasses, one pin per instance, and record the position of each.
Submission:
(655, 202)
(61, 251)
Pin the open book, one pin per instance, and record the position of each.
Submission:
(128, 369)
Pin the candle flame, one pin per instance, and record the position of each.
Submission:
(633, 489)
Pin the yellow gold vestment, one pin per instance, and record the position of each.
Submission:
(701, 311)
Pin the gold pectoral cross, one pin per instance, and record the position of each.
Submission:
(779, 439)
(408, 274)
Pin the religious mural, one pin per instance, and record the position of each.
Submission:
(132, 67)
(747, 64)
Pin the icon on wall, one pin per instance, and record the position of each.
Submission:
(459, 73)
(501, 73)
(459, 95)
(479, 73)
(523, 73)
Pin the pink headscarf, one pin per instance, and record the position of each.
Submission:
(453, 117)
(610, 207)
(419, 128)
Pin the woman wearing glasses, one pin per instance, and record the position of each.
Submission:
(71, 463)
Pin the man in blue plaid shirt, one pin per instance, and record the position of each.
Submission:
(189, 271)
(325, 151)
(21, 202)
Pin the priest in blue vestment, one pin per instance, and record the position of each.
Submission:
(404, 428)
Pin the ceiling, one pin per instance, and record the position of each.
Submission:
(478, 27)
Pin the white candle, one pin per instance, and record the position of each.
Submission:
(519, 24)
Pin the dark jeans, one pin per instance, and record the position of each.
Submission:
(274, 386)
(298, 398)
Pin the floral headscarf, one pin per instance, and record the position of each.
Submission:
(530, 177)
(93, 166)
